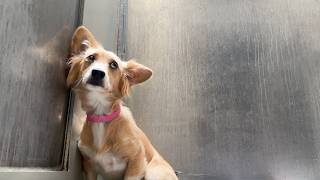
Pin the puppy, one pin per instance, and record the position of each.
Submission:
(111, 143)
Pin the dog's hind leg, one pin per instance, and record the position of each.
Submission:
(158, 169)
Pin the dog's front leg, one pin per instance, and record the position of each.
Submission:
(86, 152)
(136, 167)
(90, 173)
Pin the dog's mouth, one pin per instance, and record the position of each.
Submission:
(95, 82)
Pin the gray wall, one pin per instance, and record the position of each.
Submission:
(235, 92)
(101, 17)
(34, 41)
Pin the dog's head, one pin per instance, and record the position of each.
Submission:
(92, 68)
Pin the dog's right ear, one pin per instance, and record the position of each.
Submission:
(81, 40)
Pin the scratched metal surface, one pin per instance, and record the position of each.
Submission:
(235, 92)
(34, 39)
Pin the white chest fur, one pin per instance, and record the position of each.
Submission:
(107, 163)
(110, 164)
(98, 134)
(98, 100)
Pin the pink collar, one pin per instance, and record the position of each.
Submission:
(104, 118)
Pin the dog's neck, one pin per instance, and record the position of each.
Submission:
(105, 109)
(97, 103)
(102, 109)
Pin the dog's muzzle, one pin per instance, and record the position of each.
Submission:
(96, 78)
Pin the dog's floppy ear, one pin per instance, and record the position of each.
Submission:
(74, 72)
(137, 73)
(82, 39)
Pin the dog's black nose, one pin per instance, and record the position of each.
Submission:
(97, 75)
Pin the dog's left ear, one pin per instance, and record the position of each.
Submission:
(137, 73)
(82, 39)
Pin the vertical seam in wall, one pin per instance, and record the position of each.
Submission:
(121, 30)
(80, 13)
(70, 101)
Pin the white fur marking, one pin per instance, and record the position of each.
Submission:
(98, 134)
(109, 162)
(104, 163)
(98, 100)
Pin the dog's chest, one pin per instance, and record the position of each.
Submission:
(106, 163)
(109, 164)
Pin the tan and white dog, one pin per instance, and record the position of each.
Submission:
(111, 143)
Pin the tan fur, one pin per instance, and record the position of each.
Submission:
(123, 141)
(81, 34)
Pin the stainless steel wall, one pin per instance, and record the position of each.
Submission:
(34, 40)
(235, 92)
(101, 17)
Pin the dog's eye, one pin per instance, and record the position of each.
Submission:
(91, 58)
(113, 65)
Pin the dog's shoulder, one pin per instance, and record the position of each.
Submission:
(127, 114)
(128, 134)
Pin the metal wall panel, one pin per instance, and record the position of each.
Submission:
(101, 18)
(34, 40)
(235, 92)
